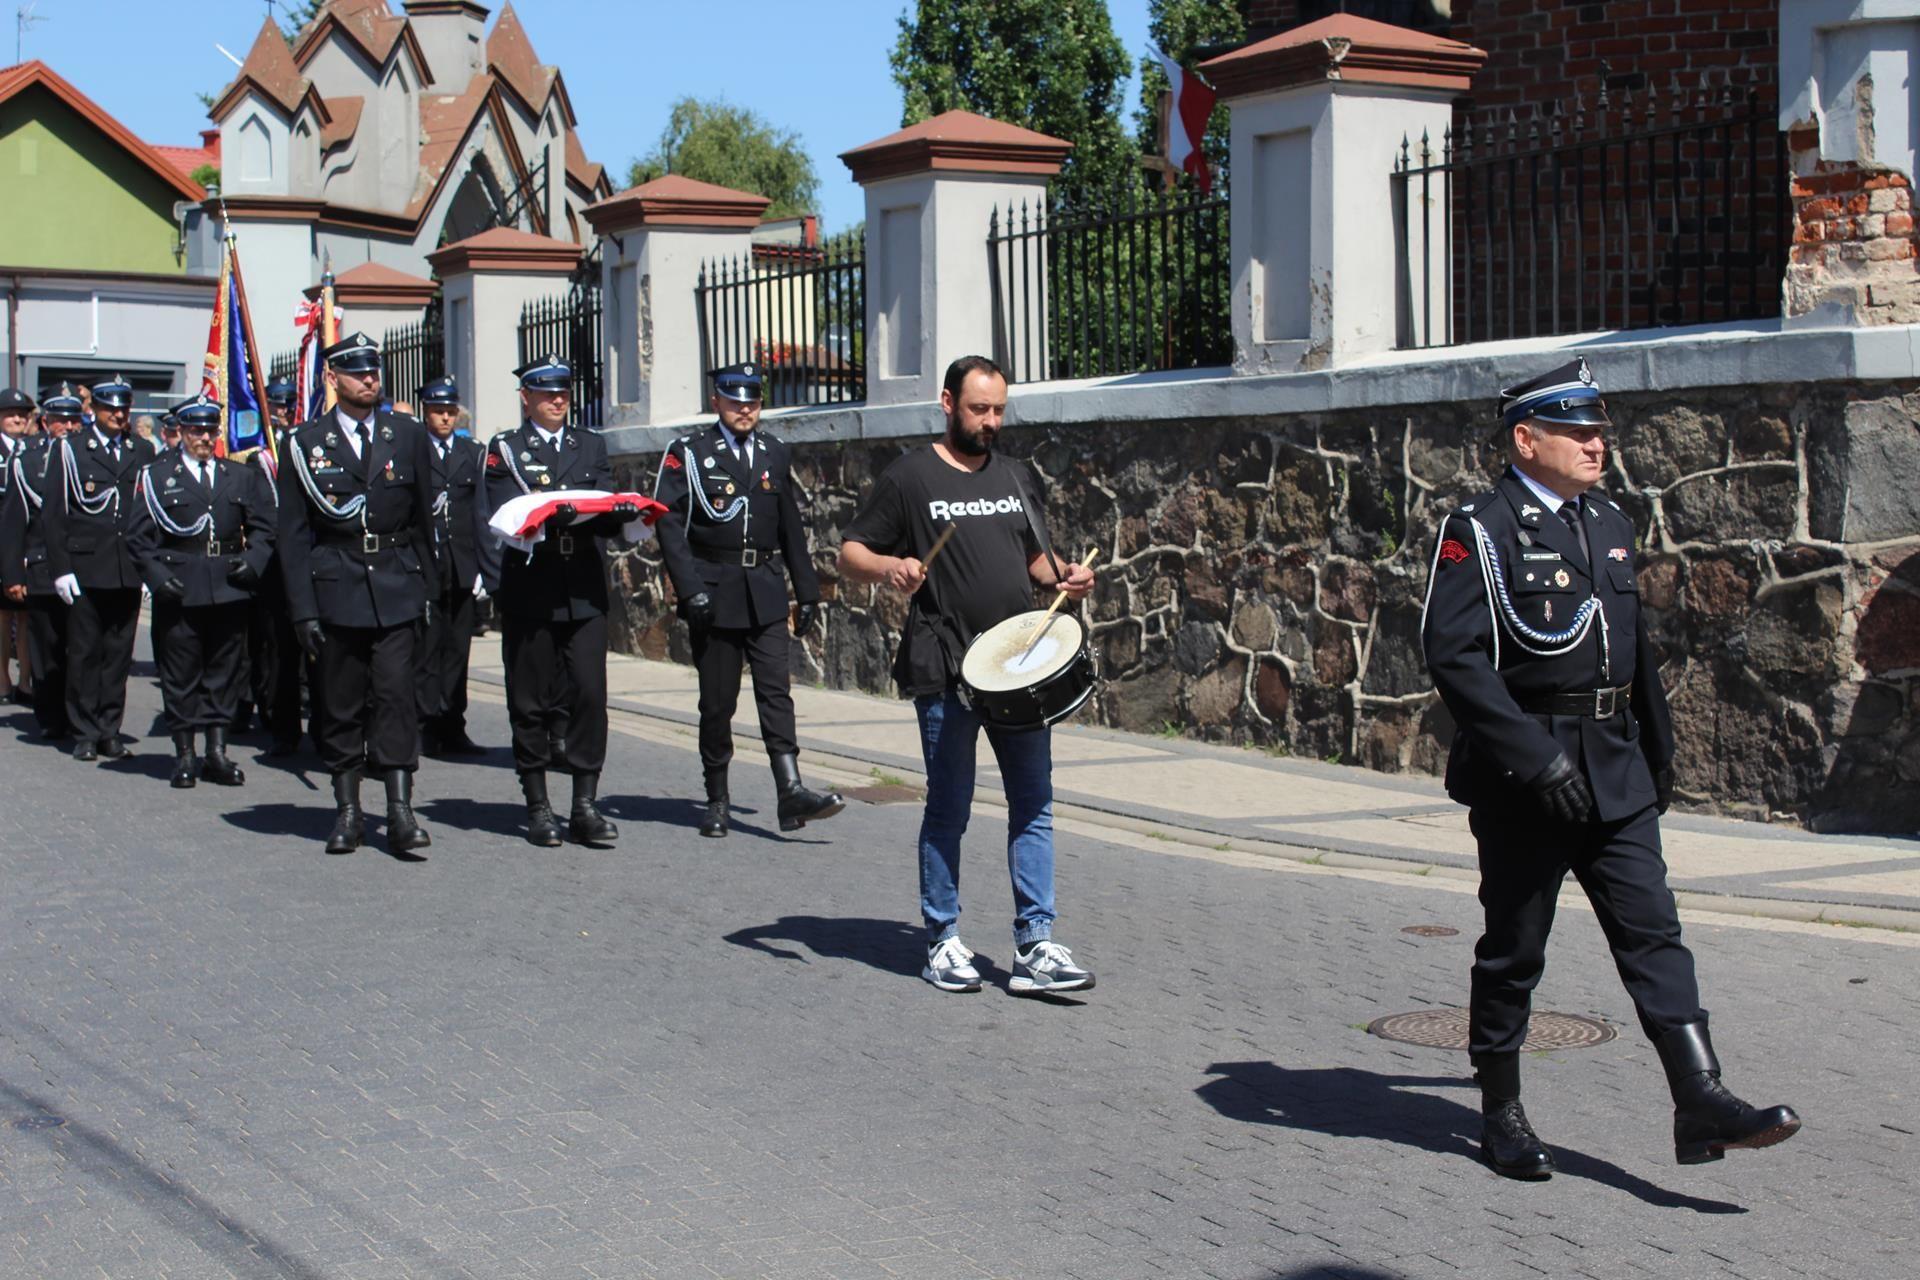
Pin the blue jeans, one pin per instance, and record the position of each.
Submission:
(949, 734)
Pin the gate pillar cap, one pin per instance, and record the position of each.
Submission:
(958, 142)
(1347, 50)
(674, 200)
(374, 284)
(504, 249)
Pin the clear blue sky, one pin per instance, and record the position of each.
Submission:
(819, 70)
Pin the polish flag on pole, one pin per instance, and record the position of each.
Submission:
(1193, 102)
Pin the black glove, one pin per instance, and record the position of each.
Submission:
(698, 611)
(565, 511)
(172, 589)
(624, 512)
(311, 638)
(1663, 787)
(1562, 792)
(243, 575)
(804, 617)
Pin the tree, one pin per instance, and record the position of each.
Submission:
(1054, 66)
(1182, 29)
(732, 146)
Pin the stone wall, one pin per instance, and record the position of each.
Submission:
(1263, 579)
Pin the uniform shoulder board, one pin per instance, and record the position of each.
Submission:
(1474, 505)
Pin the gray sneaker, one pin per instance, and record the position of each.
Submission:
(950, 966)
(1046, 967)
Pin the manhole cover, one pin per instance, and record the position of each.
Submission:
(1447, 1029)
(1431, 930)
(38, 1122)
(886, 793)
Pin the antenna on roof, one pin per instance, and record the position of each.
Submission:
(23, 18)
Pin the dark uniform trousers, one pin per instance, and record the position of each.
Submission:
(553, 603)
(274, 660)
(721, 512)
(1502, 633)
(23, 562)
(369, 599)
(458, 529)
(94, 548)
(200, 640)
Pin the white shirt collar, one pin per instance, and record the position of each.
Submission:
(348, 423)
(1548, 498)
(551, 437)
(742, 446)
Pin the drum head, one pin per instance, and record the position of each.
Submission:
(1023, 651)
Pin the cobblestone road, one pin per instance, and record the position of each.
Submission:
(223, 1053)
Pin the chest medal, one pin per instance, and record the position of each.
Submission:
(1561, 579)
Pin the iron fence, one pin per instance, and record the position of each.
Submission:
(1138, 285)
(1670, 211)
(569, 326)
(414, 354)
(284, 365)
(799, 312)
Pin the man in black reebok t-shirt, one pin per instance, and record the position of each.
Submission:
(985, 575)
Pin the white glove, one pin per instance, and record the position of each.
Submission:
(67, 587)
(479, 588)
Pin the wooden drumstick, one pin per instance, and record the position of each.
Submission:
(1093, 553)
(939, 543)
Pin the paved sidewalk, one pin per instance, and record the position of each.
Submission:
(1336, 814)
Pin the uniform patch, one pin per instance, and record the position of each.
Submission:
(1453, 552)
(1617, 553)
(673, 460)
(495, 462)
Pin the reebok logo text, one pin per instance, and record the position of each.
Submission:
(942, 510)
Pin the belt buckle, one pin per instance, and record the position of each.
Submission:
(1604, 704)
(566, 544)
(369, 542)
(749, 557)
(213, 545)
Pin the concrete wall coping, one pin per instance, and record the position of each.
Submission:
(1676, 360)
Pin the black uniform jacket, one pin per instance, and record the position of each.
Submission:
(552, 584)
(92, 545)
(719, 506)
(23, 532)
(241, 532)
(329, 572)
(1514, 612)
(459, 525)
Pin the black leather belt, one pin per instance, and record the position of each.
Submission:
(207, 546)
(746, 557)
(368, 542)
(1600, 704)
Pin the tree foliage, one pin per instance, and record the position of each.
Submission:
(1183, 29)
(734, 147)
(1054, 66)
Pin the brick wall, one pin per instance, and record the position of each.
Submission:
(1853, 237)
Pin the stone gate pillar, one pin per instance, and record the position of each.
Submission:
(1318, 117)
(932, 189)
(654, 239)
(485, 281)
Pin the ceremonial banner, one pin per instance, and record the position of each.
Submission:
(232, 373)
(520, 522)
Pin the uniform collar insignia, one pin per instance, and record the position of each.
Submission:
(1468, 507)
(1528, 509)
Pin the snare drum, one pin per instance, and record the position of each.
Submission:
(1028, 672)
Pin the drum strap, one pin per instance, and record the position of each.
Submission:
(1039, 532)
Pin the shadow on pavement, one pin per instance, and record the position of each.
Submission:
(1334, 1271)
(1347, 1102)
(887, 945)
(243, 1249)
(497, 817)
(300, 821)
(684, 812)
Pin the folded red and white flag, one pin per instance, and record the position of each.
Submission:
(521, 522)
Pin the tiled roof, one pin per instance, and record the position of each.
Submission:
(579, 168)
(271, 68)
(510, 55)
(22, 76)
(343, 117)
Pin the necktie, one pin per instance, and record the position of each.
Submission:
(363, 436)
(1570, 515)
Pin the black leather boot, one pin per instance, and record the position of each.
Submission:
(455, 742)
(217, 769)
(586, 824)
(1507, 1142)
(798, 805)
(543, 829)
(404, 832)
(1708, 1119)
(185, 768)
(714, 824)
(349, 826)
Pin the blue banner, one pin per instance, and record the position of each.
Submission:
(243, 406)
